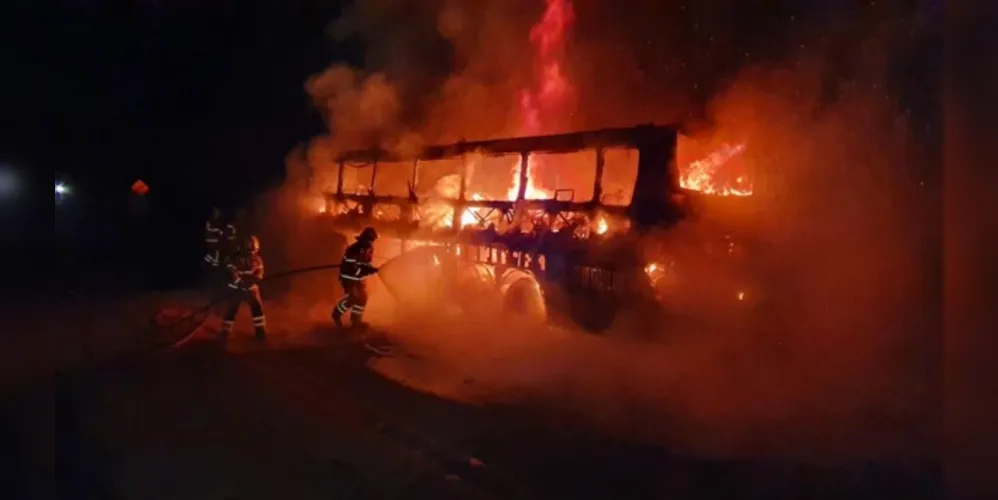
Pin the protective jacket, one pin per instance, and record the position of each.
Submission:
(356, 264)
(355, 268)
(246, 272)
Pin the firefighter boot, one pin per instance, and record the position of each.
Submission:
(357, 322)
(260, 327)
(260, 333)
(338, 312)
(338, 318)
(357, 318)
(227, 325)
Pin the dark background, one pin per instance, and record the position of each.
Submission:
(202, 100)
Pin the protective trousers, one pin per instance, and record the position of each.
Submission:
(354, 301)
(213, 258)
(212, 276)
(252, 296)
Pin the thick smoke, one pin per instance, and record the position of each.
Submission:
(845, 361)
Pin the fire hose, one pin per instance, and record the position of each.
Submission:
(221, 297)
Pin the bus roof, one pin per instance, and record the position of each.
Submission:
(558, 143)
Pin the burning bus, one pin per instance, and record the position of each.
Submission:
(557, 225)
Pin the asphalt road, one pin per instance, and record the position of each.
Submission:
(310, 420)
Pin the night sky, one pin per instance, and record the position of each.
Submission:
(191, 93)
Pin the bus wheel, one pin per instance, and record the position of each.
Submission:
(593, 312)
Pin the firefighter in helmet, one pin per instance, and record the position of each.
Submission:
(246, 272)
(213, 238)
(355, 268)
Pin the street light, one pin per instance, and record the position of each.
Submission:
(61, 192)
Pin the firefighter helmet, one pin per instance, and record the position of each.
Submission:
(368, 234)
(252, 245)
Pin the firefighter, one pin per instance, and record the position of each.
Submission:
(212, 239)
(230, 235)
(355, 268)
(246, 272)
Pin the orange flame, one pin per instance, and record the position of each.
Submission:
(546, 100)
(602, 226)
(470, 215)
(701, 175)
(552, 89)
(532, 192)
(548, 97)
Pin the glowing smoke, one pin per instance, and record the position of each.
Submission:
(845, 366)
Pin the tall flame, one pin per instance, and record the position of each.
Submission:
(547, 99)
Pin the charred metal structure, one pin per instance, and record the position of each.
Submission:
(581, 250)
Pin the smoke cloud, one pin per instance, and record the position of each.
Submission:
(844, 363)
